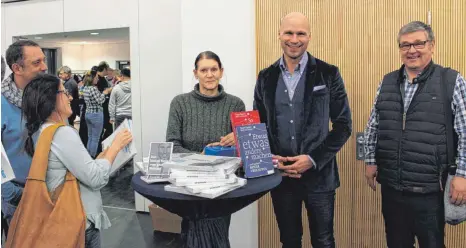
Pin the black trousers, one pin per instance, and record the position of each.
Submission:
(71, 119)
(287, 201)
(408, 215)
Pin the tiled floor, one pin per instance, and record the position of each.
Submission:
(129, 228)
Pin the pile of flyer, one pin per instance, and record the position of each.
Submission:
(192, 174)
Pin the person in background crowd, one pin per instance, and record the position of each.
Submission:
(83, 131)
(102, 85)
(47, 102)
(119, 106)
(110, 75)
(94, 111)
(64, 73)
(117, 77)
(26, 60)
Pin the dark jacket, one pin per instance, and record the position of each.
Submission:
(325, 100)
(411, 151)
(72, 87)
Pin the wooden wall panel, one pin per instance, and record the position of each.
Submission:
(359, 36)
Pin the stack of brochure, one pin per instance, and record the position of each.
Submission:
(190, 173)
(156, 175)
(202, 175)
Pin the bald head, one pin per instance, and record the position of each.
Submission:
(295, 19)
(294, 36)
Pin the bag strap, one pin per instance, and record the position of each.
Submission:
(40, 159)
(446, 79)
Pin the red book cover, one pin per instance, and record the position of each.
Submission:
(241, 119)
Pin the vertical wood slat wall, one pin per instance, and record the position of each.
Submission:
(359, 36)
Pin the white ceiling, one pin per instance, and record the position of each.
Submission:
(115, 35)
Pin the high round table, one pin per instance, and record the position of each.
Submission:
(205, 225)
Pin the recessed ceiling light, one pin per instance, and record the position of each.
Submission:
(38, 38)
(94, 33)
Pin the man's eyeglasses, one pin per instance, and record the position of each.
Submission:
(416, 45)
(64, 92)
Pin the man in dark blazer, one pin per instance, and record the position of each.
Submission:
(64, 73)
(296, 97)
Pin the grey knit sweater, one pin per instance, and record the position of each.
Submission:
(196, 120)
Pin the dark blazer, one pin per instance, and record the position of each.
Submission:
(325, 100)
(72, 87)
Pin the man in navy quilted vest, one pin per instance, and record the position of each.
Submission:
(406, 141)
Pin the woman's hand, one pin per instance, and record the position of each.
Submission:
(213, 144)
(122, 139)
(228, 140)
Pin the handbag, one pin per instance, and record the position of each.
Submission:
(454, 214)
(46, 219)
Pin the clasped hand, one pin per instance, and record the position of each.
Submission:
(300, 164)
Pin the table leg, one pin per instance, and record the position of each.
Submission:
(206, 233)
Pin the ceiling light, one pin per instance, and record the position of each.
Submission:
(38, 38)
(94, 33)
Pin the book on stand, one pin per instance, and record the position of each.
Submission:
(241, 119)
(159, 153)
(255, 150)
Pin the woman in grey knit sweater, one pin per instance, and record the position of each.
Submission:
(202, 117)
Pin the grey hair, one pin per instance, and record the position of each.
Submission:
(15, 52)
(65, 69)
(414, 27)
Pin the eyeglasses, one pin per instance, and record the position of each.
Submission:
(64, 92)
(416, 45)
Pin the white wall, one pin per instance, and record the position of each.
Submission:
(228, 30)
(165, 38)
(83, 57)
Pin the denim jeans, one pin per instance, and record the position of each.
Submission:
(8, 211)
(287, 201)
(95, 124)
(92, 239)
(408, 215)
